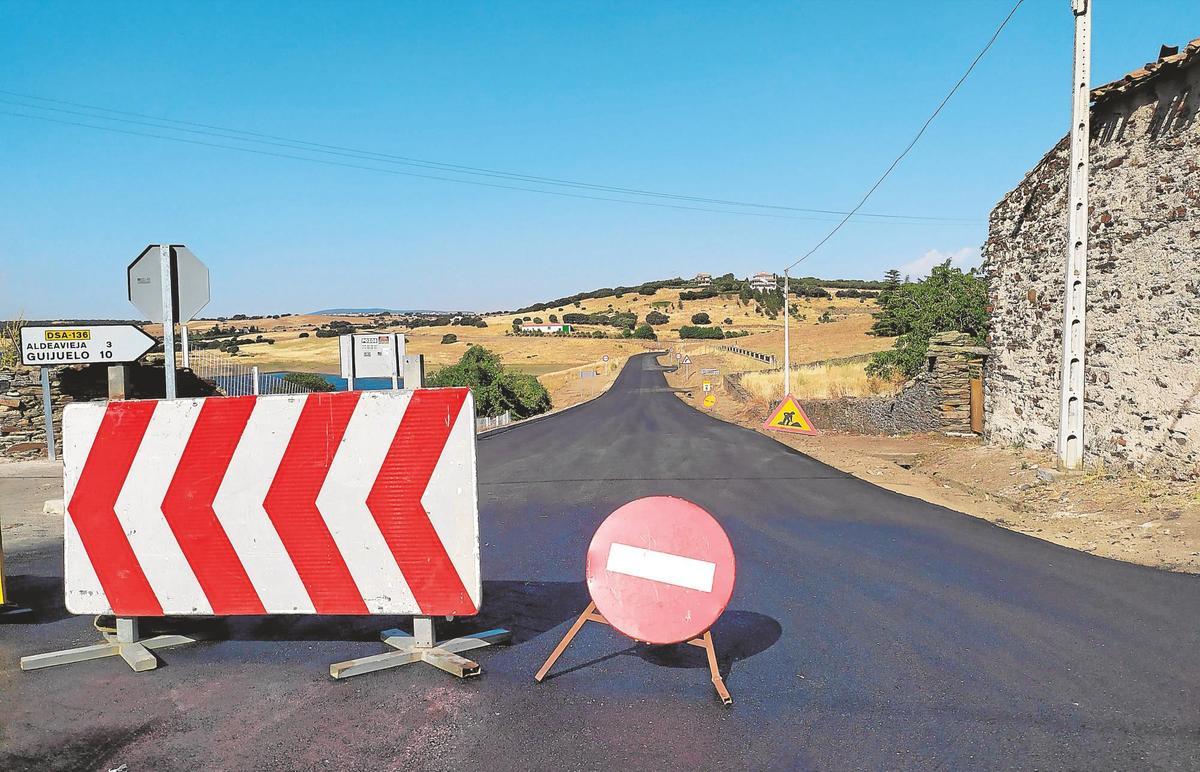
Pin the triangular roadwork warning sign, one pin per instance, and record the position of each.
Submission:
(790, 417)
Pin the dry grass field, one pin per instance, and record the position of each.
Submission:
(822, 329)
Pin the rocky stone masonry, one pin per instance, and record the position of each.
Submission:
(1142, 394)
(22, 429)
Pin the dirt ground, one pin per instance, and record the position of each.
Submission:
(1153, 522)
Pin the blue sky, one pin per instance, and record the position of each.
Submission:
(801, 104)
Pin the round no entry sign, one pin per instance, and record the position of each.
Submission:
(660, 570)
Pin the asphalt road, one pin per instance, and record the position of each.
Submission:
(867, 630)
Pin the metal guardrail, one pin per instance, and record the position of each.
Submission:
(761, 357)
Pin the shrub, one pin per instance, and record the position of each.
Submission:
(537, 320)
(655, 317)
(303, 335)
(449, 338)
(645, 332)
(948, 300)
(496, 388)
(553, 319)
(310, 381)
(701, 332)
(701, 318)
(727, 321)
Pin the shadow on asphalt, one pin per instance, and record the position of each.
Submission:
(737, 635)
(528, 609)
(43, 594)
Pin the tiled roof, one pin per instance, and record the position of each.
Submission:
(1169, 60)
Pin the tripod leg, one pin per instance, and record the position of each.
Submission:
(718, 682)
(566, 641)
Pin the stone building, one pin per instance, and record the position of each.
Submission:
(1142, 395)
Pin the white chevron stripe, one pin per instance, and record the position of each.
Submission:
(139, 508)
(451, 495)
(238, 505)
(85, 594)
(343, 501)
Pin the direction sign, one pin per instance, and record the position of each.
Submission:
(790, 417)
(709, 371)
(660, 570)
(189, 284)
(108, 344)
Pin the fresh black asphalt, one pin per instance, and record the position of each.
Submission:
(867, 630)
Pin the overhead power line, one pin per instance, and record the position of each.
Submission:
(239, 135)
(912, 143)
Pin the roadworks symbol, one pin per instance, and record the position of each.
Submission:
(790, 417)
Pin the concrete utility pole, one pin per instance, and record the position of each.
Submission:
(1070, 422)
(787, 355)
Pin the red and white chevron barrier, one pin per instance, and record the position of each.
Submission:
(340, 503)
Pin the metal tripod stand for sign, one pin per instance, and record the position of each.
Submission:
(590, 614)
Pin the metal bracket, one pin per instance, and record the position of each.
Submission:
(422, 647)
(124, 644)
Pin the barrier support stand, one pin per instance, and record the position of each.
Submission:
(124, 643)
(421, 646)
(590, 614)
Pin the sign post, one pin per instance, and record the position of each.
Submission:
(659, 570)
(48, 414)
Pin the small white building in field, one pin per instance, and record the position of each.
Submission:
(549, 329)
(703, 280)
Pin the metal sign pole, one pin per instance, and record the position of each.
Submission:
(168, 321)
(183, 344)
(48, 415)
(787, 347)
(1070, 419)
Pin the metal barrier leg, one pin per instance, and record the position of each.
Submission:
(125, 644)
(422, 647)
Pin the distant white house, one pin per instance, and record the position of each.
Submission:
(763, 282)
(546, 328)
(703, 280)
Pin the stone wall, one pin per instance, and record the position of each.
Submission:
(1143, 325)
(22, 428)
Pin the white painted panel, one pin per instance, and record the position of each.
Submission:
(661, 567)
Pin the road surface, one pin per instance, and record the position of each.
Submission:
(867, 630)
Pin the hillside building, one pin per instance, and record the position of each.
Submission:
(703, 280)
(1142, 340)
(763, 282)
(549, 329)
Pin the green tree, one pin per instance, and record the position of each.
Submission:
(948, 300)
(645, 332)
(656, 317)
(310, 381)
(449, 338)
(701, 318)
(496, 388)
(886, 324)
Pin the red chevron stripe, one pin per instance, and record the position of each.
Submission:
(188, 506)
(395, 502)
(91, 509)
(291, 503)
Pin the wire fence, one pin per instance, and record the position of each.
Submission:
(237, 380)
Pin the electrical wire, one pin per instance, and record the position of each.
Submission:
(910, 145)
(240, 135)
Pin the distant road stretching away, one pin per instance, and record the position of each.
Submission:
(867, 630)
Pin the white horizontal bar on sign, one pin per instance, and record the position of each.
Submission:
(661, 567)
